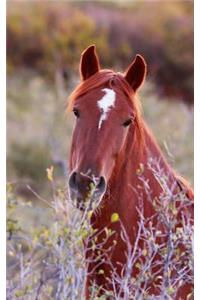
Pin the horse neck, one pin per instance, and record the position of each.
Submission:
(134, 163)
(126, 184)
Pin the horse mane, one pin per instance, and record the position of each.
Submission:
(117, 82)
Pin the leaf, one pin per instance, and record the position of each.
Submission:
(50, 173)
(140, 170)
(190, 296)
(84, 233)
(144, 252)
(90, 212)
(170, 290)
(19, 293)
(158, 232)
(114, 218)
(138, 266)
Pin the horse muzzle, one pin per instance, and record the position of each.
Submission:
(86, 191)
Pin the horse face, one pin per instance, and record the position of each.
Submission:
(103, 118)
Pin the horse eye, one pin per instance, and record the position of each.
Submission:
(128, 122)
(76, 112)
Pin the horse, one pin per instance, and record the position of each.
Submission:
(113, 151)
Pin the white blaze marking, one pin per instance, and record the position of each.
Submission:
(105, 104)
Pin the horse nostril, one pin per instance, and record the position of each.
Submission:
(72, 181)
(82, 184)
(101, 186)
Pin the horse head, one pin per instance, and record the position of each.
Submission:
(105, 113)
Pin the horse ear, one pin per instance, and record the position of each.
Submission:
(136, 72)
(89, 63)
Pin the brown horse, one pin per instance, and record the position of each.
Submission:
(114, 152)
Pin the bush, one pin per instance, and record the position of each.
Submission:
(50, 36)
(48, 261)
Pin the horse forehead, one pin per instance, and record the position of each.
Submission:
(111, 99)
(108, 100)
(104, 100)
(101, 98)
(105, 104)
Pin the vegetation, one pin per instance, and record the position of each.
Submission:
(49, 36)
(47, 261)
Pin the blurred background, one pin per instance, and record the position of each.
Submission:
(44, 43)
